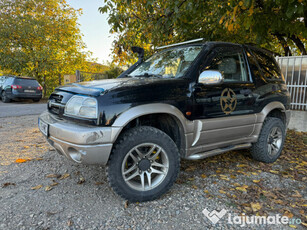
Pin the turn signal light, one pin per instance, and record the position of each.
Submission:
(40, 88)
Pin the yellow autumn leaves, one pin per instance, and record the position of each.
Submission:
(50, 187)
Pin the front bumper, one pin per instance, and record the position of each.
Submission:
(80, 143)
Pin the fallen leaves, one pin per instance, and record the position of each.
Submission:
(203, 176)
(54, 184)
(37, 187)
(296, 194)
(64, 176)
(126, 203)
(53, 176)
(81, 180)
(98, 183)
(69, 223)
(255, 206)
(20, 160)
(8, 184)
(194, 186)
(48, 188)
(242, 188)
(224, 177)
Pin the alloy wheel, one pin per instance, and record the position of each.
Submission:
(145, 166)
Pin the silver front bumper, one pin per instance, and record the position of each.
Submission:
(80, 143)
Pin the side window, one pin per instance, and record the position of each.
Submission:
(230, 62)
(268, 65)
(8, 81)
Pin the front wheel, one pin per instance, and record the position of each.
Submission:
(270, 141)
(144, 164)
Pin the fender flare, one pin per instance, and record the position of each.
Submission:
(268, 108)
(154, 108)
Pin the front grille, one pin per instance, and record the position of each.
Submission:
(54, 110)
(55, 104)
(56, 98)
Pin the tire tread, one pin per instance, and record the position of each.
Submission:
(130, 135)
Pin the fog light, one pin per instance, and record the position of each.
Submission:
(75, 155)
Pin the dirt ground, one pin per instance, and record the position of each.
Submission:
(42, 190)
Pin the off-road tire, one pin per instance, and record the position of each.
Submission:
(259, 150)
(127, 141)
(4, 98)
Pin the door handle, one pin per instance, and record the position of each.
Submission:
(246, 92)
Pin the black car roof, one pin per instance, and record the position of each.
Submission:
(213, 43)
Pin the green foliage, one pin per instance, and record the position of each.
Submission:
(150, 23)
(272, 21)
(40, 38)
(113, 72)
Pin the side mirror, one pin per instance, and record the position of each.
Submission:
(209, 77)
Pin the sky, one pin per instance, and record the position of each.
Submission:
(95, 28)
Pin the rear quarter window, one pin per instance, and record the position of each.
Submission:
(268, 65)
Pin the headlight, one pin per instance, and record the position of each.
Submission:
(81, 106)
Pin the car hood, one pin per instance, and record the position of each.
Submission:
(98, 87)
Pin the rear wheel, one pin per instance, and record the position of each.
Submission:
(4, 97)
(270, 142)
(144, 164)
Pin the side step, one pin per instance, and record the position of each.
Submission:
(214, 152)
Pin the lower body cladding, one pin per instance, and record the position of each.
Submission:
(79, 143)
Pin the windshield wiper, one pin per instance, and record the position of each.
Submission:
(147, 75)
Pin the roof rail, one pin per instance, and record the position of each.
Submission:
(180, 43)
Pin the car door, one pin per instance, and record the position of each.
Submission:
(225, 111)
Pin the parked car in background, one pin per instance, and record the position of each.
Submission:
(13, 87)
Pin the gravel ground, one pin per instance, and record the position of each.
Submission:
(49, 192)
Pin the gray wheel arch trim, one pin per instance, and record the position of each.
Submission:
(154, 108)
(264, 113)
(268, 108)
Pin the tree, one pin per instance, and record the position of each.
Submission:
(40, 38)
(154, 22)
(113, 71)
(282, 20)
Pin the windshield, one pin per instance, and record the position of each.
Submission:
(169, 63)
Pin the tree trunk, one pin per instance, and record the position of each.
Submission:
(60, 80)
(45, 88)
(284, 44)
(299, 44)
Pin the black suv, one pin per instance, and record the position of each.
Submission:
(12, 87)
(187, 101)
